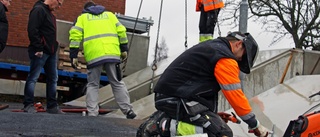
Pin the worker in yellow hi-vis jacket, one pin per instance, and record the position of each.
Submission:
(104, 45)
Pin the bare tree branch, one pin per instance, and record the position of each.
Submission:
(162, 50)
(299, 19)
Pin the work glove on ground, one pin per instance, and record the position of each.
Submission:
(259, 130)
(124, 55)
(75, 63)
(224, 116)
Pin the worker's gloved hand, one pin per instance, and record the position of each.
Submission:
(224, 116)
(259, 130)
(124, 55)
(74, 63)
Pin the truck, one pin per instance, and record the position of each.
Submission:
(14, 64)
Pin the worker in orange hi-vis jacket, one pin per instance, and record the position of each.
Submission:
(186, 94)
(208, 18)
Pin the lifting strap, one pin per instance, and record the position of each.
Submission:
(154, 64)
(130, 43)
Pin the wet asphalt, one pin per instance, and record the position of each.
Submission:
(42, 124)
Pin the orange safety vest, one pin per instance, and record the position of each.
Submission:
(209, 4)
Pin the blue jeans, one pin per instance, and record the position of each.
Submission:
(49, 63)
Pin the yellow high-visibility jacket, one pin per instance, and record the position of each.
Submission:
(102, 35)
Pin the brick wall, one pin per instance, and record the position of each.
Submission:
(19, 13)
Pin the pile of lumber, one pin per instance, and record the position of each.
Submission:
(64, 62)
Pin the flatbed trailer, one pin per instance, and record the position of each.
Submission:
(70, 85)
(14, 61)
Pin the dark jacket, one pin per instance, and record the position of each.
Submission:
(3, 27)
(191, 75)
(42, 31)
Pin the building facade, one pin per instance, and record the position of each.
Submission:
(18, 15)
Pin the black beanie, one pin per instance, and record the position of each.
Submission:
(88, 4)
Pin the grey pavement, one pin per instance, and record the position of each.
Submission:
(42, 124)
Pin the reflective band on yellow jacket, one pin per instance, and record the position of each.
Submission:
(209, 4)
(227, 74)
(101, 34)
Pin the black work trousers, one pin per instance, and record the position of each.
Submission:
(208, 20)
(216, 128)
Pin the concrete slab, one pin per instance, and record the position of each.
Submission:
(143, 107)
(285, 102)
(264, 76)
(16, 87)
(133, 82)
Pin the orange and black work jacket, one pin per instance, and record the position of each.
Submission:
(201, 72)
(209, 4)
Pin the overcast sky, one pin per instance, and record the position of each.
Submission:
(172, 25)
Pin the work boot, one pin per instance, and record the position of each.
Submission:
(150, 128)
(55, 110)
(93, 114)
(30, 108)
(131, 114)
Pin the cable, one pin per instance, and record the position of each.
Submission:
(134, 28)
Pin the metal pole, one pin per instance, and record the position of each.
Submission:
(243, 16)
(243, 29)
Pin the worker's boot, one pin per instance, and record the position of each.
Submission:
(29, 108)
(152, 127)
(55, 110)
(131, 114)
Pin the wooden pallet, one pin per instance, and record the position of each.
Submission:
(64, 62)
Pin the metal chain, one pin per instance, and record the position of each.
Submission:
(186, 25)
(154, 65)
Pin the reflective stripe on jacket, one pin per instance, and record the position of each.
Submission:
(102, 35)
(209, 4)
(230, 84)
